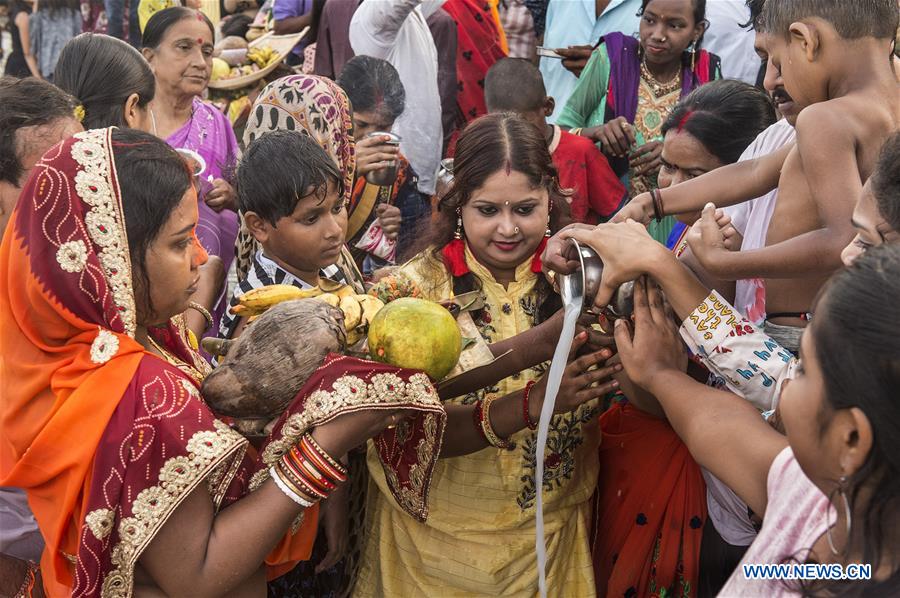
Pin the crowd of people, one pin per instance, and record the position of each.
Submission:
(737, 161)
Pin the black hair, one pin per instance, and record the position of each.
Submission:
(153, 179)
(489, 144)
(852, 19)
(160, 23)
(373, 84)
(237, 25)
(24, 103)
(886, 182)
(278, 170)
(514, 85)
(102, 72)
(858, 351)
(756, 10)
(724, 115)
(699, 10)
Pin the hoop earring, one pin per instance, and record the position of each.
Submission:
(847, 513)
(459, 232)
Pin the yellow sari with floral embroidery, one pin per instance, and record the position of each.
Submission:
(480, 533)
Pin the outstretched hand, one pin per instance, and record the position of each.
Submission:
(708, 242)
(655, 346)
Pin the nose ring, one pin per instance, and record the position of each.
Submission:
(517, 230)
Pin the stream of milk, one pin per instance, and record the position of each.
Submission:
(554, 378)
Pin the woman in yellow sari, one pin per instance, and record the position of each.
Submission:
(479, 538)
(137, 488)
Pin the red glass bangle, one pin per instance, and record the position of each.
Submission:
(477, 417)
(529, 423)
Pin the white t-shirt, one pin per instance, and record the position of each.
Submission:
(396, 31)
(729, 41)
(751, 219)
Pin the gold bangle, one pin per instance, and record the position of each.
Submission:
(576, 130)
(203, 312)
(488, 429)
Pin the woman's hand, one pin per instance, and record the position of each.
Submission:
(372, 153)
(647, 159)
(350, 430)
(221, 196)
(627, 251)
(577, 386)
(655, 346)
(334, 513)
(616, 137)
(389, 219)
(553, 259)
(575, 58)
(639, 209)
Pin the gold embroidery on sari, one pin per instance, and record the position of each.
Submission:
(100, 522)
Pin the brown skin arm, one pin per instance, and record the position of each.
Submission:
(212, 278)
(292, 24)
(725, 186)
(194, 554)
(724, 433)
(828, 156)
(507, 413)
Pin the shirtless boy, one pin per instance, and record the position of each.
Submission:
(832, 57)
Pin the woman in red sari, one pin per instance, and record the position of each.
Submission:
(136, 486)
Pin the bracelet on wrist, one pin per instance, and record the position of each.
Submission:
(489, 433)
(658, 212)
(203, 312)
(287, 490)
(529, 423)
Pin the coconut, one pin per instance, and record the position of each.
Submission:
(416, 334)
(269, 363)
(232, 42)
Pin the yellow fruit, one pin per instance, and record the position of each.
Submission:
(265, 297)
(352, 312)
(370, 305)
(416, 334)
(220, 69)
(330, 298)
(330, 286)
(345, 291)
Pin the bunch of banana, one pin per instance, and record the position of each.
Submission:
(256, 301)
(358, 309)
(358, 313)
(263, 56)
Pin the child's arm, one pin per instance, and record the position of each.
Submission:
(724, 433)
(725, 186)
(828, 158)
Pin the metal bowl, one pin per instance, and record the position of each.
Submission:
(586, 282)
(385, 176)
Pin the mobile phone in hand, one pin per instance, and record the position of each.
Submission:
(548, 53)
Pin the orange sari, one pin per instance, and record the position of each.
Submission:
(650, 508)
(106, 438)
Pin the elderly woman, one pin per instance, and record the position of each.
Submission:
(178, 44)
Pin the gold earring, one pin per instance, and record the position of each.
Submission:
(693, 55)
(458, 234)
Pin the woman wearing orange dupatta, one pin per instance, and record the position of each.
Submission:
(127, 471)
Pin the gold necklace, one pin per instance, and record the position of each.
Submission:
(185, 367)
(659, 89)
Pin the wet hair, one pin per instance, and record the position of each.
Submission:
(278, 170)
(153, 179)
(514, 85)
(26, 103)
(858, 350)
(852, 19)
(102, 72)
(373, 84)
(160, 23)
(489, 144)
(725, 116)
(756, 10)
(886, 182)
